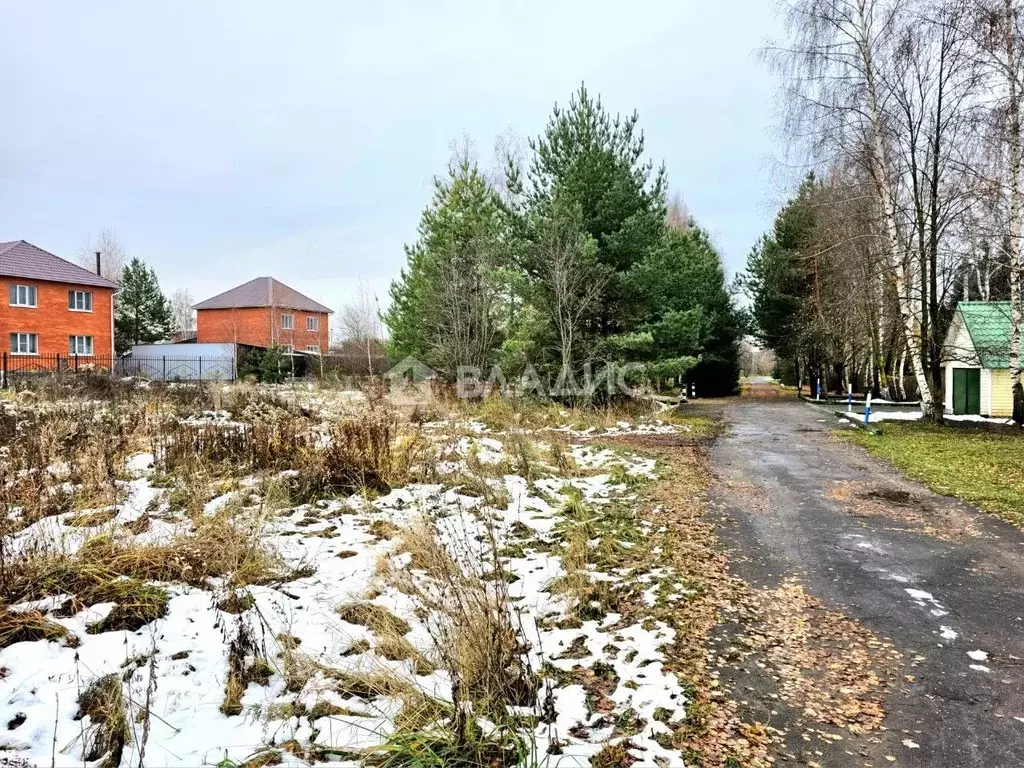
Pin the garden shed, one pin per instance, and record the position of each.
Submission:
(976, 360)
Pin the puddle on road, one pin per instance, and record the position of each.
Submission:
(917, 513)
(892, 495)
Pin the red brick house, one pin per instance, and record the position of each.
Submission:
(50, 307)
(264, 313)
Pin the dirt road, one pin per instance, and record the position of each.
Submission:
(941, 581)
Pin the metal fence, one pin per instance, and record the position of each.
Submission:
(163, 368)
(185, 368)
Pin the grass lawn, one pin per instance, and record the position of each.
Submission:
(983, 468)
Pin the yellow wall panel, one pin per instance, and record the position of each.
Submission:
(1002, 395)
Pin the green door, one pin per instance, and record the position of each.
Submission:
(966, 391)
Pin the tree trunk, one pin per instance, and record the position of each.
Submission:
(886, 201)
(901, 366)
(1013, 127)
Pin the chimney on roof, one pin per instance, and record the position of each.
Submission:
(98, 270)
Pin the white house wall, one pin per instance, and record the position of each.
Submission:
(959, 349)
(949, 387)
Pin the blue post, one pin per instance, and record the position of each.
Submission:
(819, 388)
(867, 411)
(849, 397)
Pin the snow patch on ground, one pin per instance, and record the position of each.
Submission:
(918, 415)
(187, 650)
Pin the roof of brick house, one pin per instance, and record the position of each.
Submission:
(263, 292)
(30, 262)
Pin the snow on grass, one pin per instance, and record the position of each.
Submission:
(918, 415)
(654, 427)
(176, 669)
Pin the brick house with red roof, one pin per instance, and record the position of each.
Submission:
(50, 306)
(264, 312)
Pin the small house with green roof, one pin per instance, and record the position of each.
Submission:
(976, 360)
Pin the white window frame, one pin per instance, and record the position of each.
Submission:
(86, 301)
(31, 343)
(85, 349)
(313, 323)
(287, 322)
(314, 348)
(30, 293)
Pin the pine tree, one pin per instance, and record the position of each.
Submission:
(663, 299)
(779, 285)
(592, 161)
(686, 313)
(142, 314)
(446, 306)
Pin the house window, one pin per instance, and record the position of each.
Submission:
(288, 349)
(25, 343)
(313, 324)
(23, 296)
(287, 322)
(80, 345)
(314, 348)
(80, 301)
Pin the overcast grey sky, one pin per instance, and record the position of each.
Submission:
(227, 140)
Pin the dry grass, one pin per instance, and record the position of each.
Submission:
(225, 545)
(370, 685)
(244, 666)
(270, 440)
(473, 630)
(137, 604)
(109, 732)
(51, 450)
(478, 641)
(561, 457)
(394, 648)
(613, 756)
(503, 414)
(91, 519)
(29, 626)
(116, 568)
(480, 487)
(236, 602)
(368, 451)
(586, 598)
(373, 617)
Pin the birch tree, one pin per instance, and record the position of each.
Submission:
(994, 26)
(113, 255)
(839, 68)
(359, 322)
(183, 317)
(570, 284)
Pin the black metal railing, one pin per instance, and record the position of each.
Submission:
(159, 368)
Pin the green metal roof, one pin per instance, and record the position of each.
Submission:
(988, 323)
